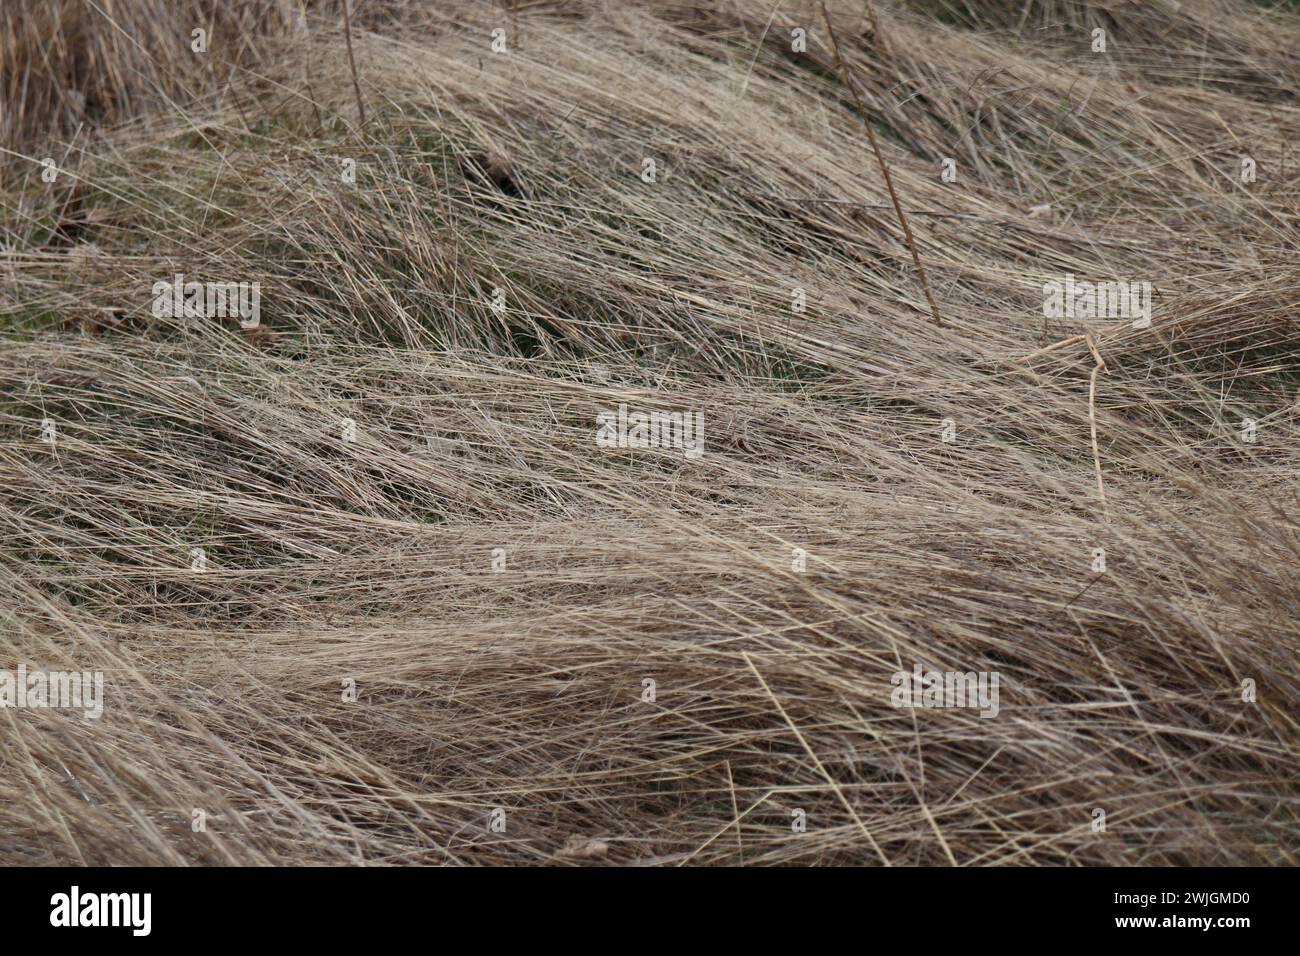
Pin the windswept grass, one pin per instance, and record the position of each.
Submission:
(524, 688)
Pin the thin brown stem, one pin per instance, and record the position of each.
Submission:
(356, 86)
(884, 167)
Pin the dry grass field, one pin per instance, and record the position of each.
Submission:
(366, 586)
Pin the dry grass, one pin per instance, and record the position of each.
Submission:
(522, 690)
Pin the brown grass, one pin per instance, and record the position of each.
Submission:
(522, 689)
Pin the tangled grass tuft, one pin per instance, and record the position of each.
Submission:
(523, 688)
